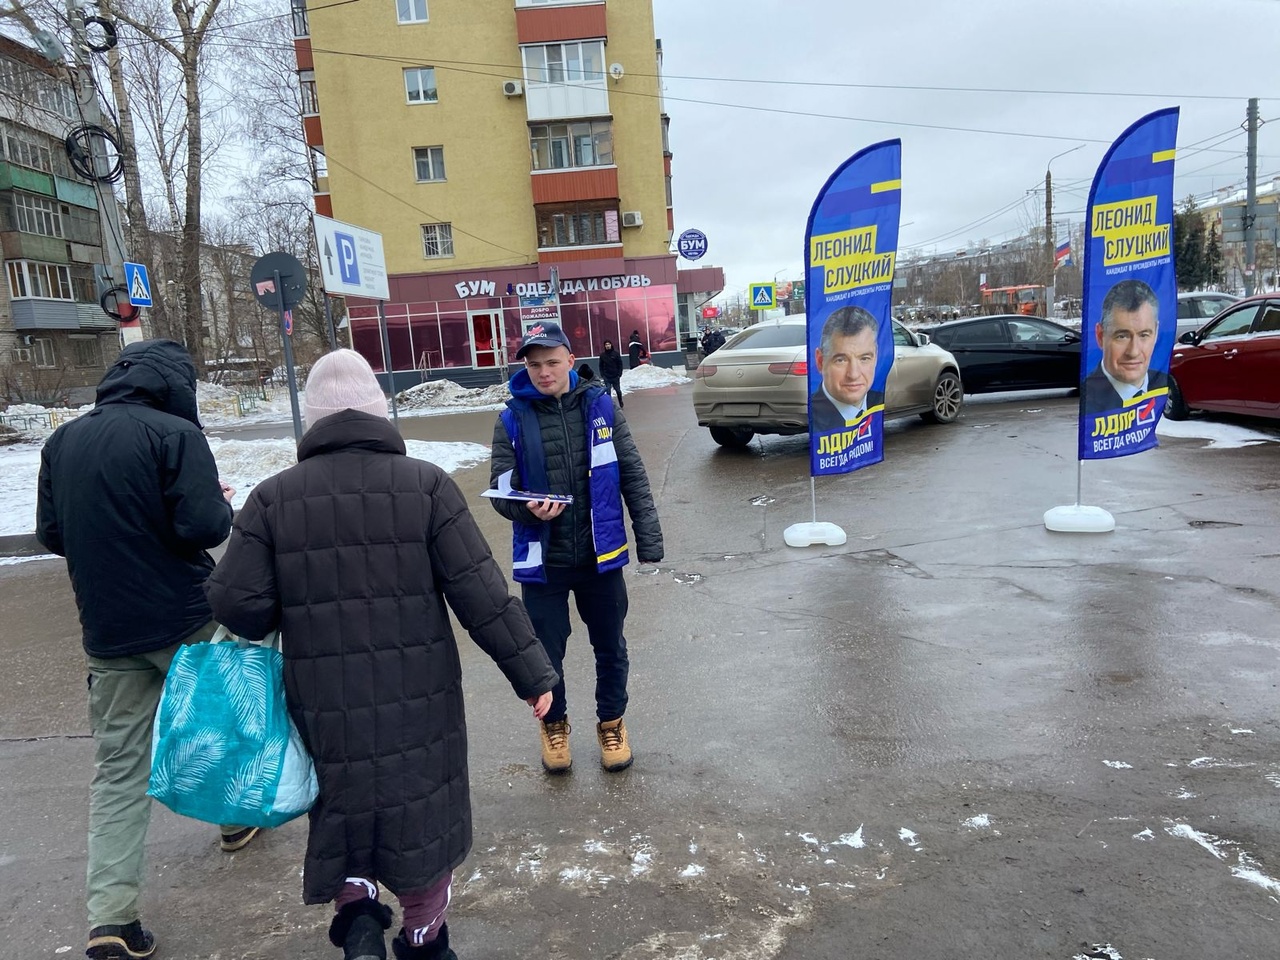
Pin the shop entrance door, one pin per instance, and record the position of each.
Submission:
(488, 340)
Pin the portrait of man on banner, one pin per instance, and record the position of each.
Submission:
(1126, 334)
(845, 359)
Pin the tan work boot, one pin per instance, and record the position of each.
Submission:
(615, 749)
(555, 746)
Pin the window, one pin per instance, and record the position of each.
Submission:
(301, 28)
(420, 85)
(578, 224)
(587, 143)
(26, 152)
(45, 281)
(1028, 331)
(411, 11)
(901, 336)
(1233, 324)
(310, 102)
(85, 351)
(42, 353)
(34, 214)
(428, 163)
(319, 164)
(576, 62)
(437, 240)
(1269, 322)
(770, 335)
(38, 88)
(986, 331)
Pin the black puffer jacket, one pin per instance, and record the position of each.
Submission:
(564, 440)
(353, 554)
(611, 364)
(129, 494)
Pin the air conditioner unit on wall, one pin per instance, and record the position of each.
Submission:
(512, 88)
(632, 218)
(21, 355)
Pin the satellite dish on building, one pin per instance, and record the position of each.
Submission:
(615, 71)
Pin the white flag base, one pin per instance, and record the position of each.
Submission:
(812, 534)
(1079, 519)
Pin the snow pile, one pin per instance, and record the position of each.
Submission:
(19, 467)
(36, 422)
(242, 463)
(246, 463)
(207, 392)
(1221, 436)
(647, 376)
(445, 395)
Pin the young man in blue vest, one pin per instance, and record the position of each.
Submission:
(562, 435)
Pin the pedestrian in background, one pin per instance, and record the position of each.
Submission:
(352, 555)
(636, 351)
(611, 371)
(129, 494)
(561, 435)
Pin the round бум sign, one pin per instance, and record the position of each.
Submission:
(692, 244)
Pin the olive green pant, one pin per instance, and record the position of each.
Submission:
(124, 693)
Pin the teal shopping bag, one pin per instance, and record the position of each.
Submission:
(223, 748)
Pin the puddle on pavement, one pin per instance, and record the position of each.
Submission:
(762, 501)
(1211, 524)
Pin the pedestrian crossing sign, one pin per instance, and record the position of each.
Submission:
(138, 284)
(763, 296)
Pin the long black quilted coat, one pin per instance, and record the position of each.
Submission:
(353, 553)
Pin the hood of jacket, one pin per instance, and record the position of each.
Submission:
(157, 373)
(522, 387)
(351, 430)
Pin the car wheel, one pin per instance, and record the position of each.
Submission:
(733, 437)
(948, 395)
(1176, 408)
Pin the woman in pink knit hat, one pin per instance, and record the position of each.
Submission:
(352, 554)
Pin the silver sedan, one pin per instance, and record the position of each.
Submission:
(758, 382)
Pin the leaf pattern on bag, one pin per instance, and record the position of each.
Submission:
(224, 749)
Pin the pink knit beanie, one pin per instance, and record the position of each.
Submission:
(342, 380)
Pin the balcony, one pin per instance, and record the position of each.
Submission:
(546, 23)
(58, 315)
(558, 101)
(581, 183)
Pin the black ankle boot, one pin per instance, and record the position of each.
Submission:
(437, 949)
(358, 929)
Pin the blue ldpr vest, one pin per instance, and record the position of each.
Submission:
(529, 540)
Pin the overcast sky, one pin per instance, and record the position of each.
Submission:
(748, 177)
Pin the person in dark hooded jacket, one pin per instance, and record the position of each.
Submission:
(353, 554)
(129, 494)
(611, 370)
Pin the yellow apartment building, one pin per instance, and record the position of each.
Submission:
(513, 155)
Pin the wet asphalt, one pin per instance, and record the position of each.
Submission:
(958, 735)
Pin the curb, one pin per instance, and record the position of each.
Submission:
(21, 545)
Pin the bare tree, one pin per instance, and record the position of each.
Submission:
(181, 32)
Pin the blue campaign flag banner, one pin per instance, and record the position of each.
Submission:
(851, 249)
(1130, 317)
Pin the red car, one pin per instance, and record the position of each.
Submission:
(1231, 364)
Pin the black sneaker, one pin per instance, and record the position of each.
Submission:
(116, 942)
(231, 842)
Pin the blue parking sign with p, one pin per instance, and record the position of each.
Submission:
(348, 265)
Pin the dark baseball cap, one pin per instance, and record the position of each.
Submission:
(543, 335)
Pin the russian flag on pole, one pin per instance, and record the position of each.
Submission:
(1062, 254)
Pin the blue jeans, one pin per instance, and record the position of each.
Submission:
(601, 599)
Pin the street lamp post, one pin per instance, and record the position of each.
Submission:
(1050, 252)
